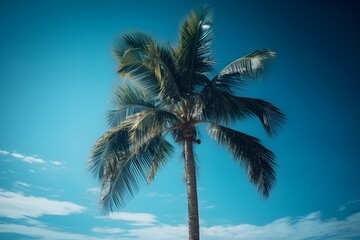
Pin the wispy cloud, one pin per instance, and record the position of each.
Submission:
(108, 230)
(206, 205)
(307, 227)
(56, 163)
(28, 186)
(93, 190)
(136, 219)
(166, 197)
(311, 226)
(344, 206)
(2, 152)
(162, 232)
(46, 233)
(24, 158)
(22, 184)
(15, 205)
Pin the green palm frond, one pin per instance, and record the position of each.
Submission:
(136, 41)
(124, 172)
(221, 106)
(114, 140)
(271, 117)
(127, 100)
(249, 66)
(217, 106)
(150, 123)
(193, 52)
(159, 59)
(166, 150)
(258, 161)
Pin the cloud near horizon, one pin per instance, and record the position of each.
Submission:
(17, 206)
(311, 226)
(135, 219)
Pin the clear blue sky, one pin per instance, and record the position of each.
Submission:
(57, 75)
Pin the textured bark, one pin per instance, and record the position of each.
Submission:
(190, 174)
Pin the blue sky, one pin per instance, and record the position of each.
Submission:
(57, 74)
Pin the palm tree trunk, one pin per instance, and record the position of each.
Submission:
(190, 174)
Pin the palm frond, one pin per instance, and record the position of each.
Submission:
(127, 171)
(271, 117)
(127, 100)
(136, 41)
(134, 69)
(193, 52)
(258, 161)
(150, 123)
(217, 106)
(163, 154)
(249, 66)
(221, 106)
(114, 140)
(159, 59)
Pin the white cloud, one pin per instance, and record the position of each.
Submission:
(344, 206)
(108, 230)
(162, 232)
(166, 197)
(93, 190)
(22, 184)
(33, 160)
(15, 205)
(137, 219)
(311, 226)
(2, 152)
(17, 155)
(46, 233)
(27, 159)
(307, 227)
(57, 163)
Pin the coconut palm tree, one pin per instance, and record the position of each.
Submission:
(166, 93)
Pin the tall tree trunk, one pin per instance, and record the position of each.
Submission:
(190, 174)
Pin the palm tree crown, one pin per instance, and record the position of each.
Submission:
(170, 94)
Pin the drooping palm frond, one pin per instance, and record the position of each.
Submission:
(221, 106)
(258, 161)
(166, 150)
(125, 172)
(271, 117)
(114, 140)
(193, 52)
(249, 66)
(127, 100)
(217, 106)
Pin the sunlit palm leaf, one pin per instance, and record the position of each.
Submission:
(128, 100)
(150, 123)
(248, 151)
(251, 65)
(193, 52)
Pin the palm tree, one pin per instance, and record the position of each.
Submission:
(167, 92)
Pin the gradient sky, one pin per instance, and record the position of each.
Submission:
(57, 74)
